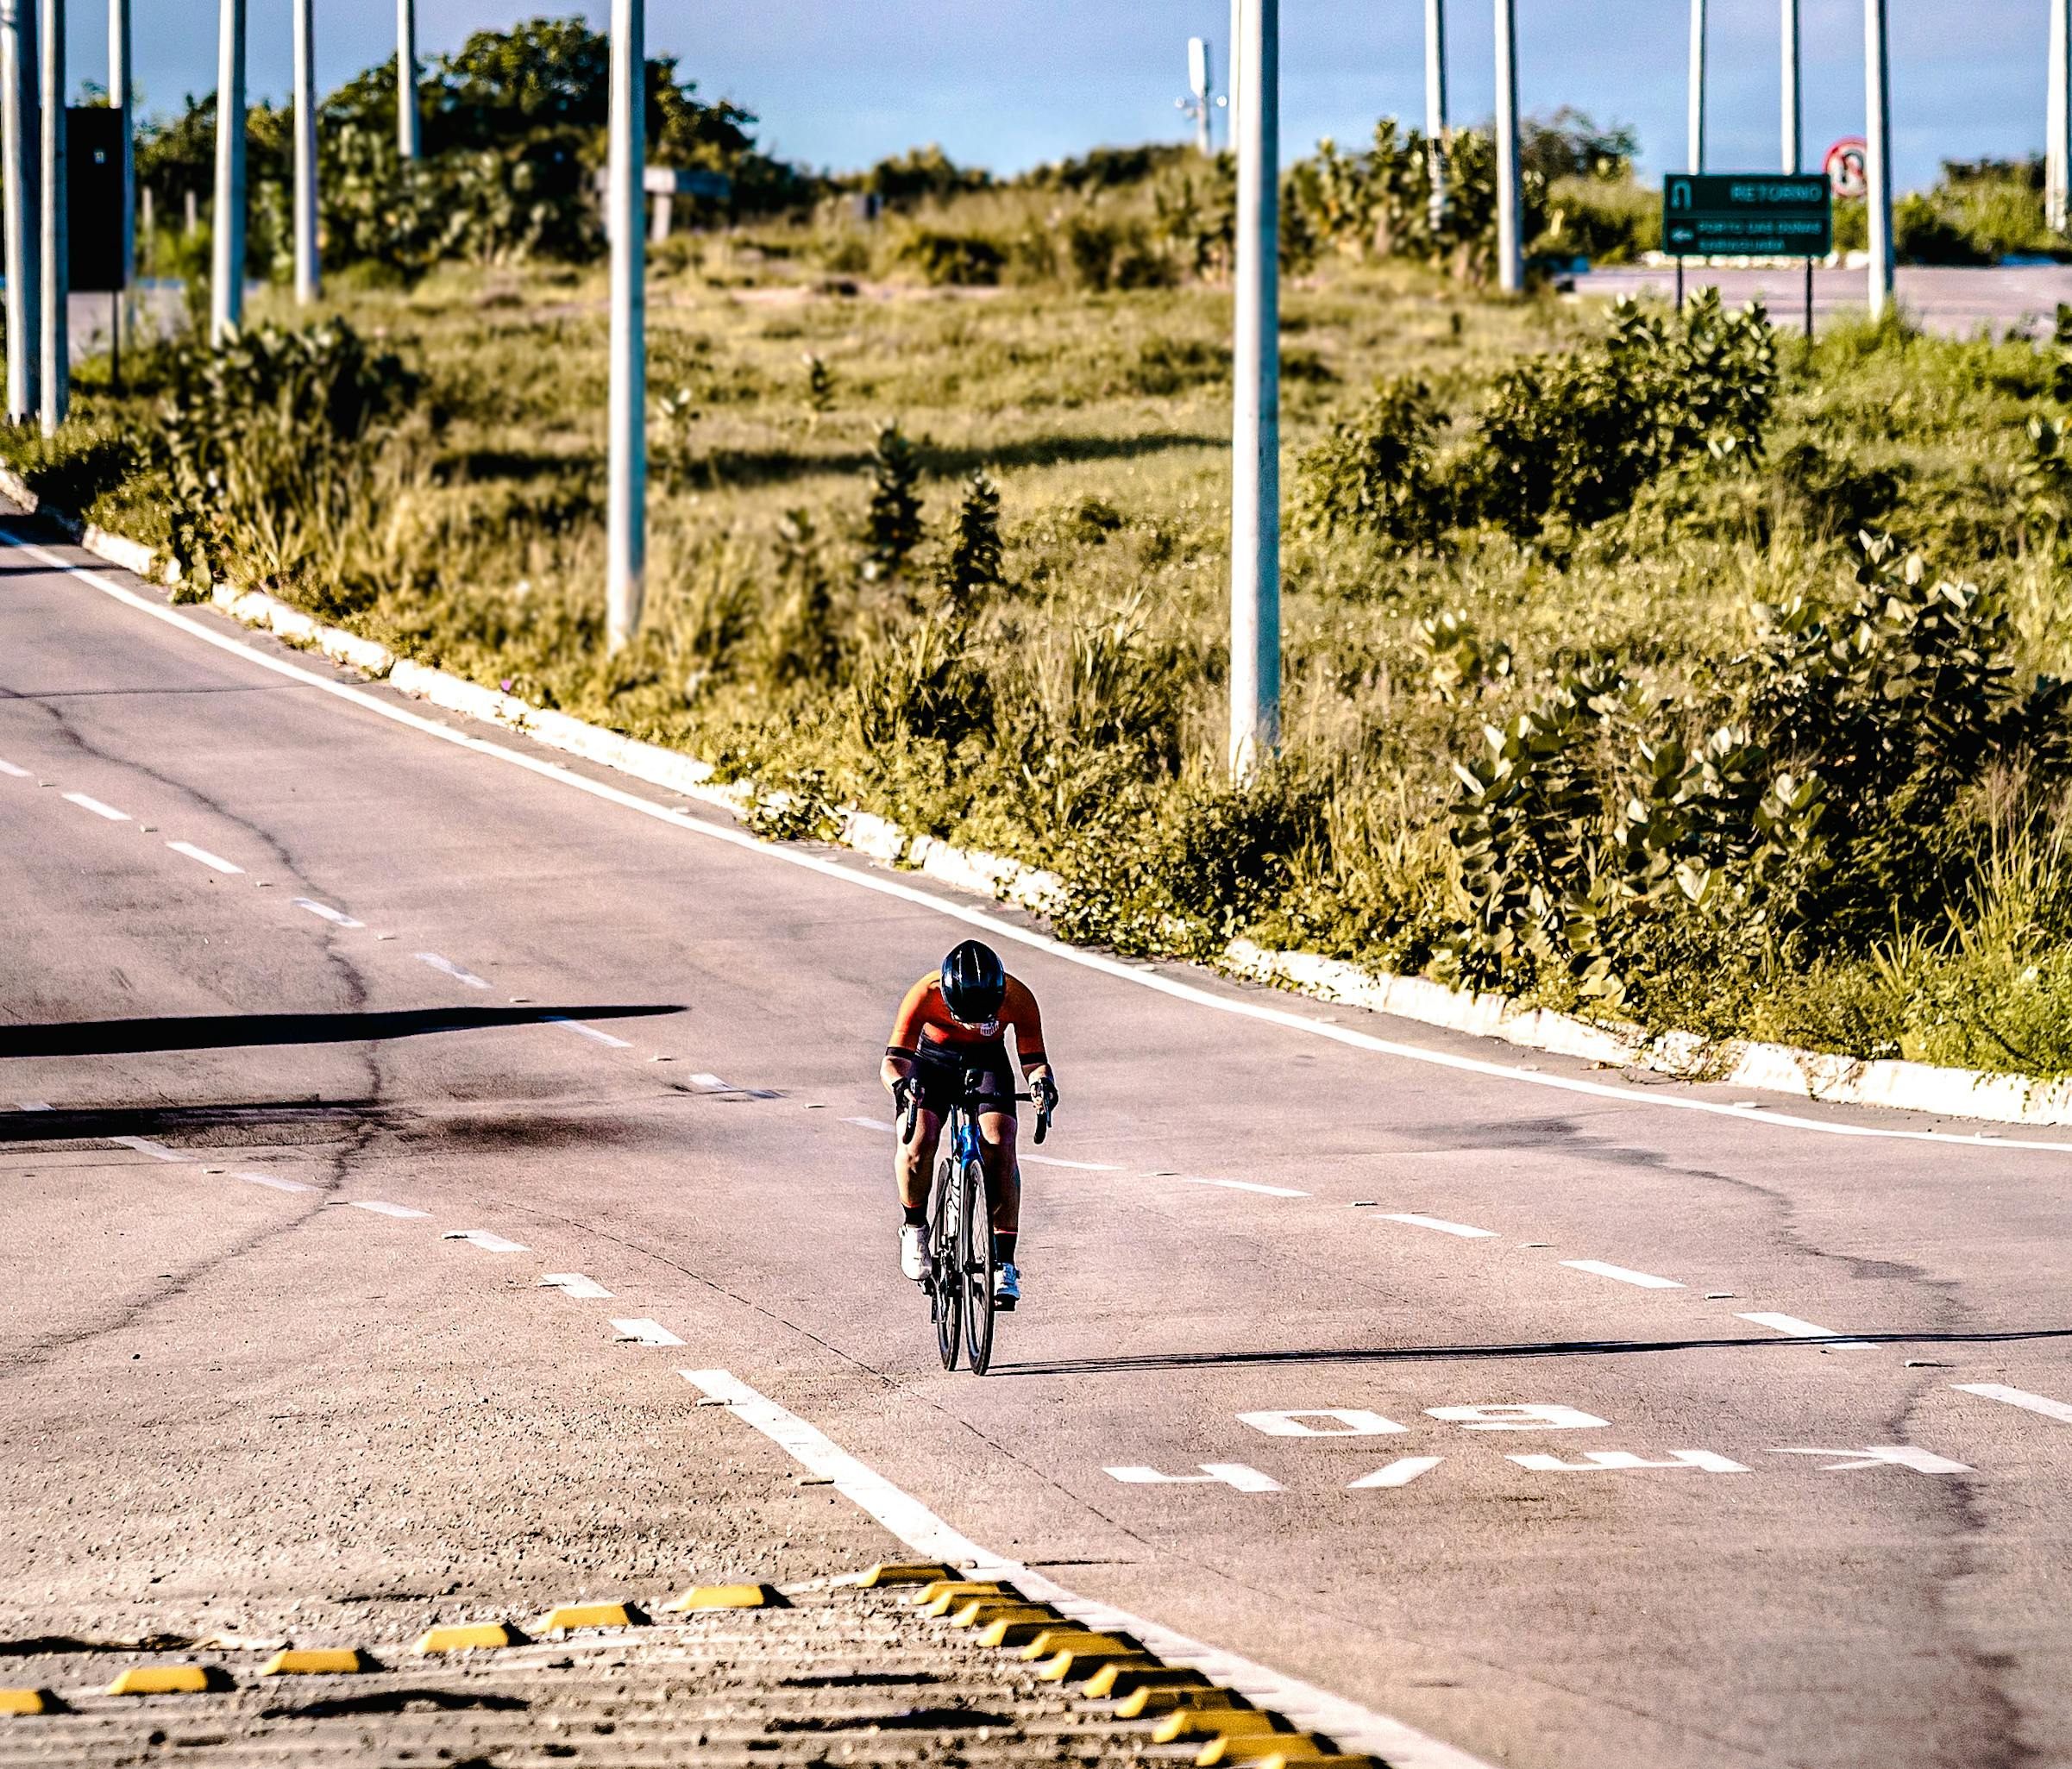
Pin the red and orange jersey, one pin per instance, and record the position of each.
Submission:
(924, 1019)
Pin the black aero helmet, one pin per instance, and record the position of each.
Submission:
(974, 983)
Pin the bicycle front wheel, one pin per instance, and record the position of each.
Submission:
(946, 1246)
(977, 1209)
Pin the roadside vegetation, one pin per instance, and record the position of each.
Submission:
(1670, 670)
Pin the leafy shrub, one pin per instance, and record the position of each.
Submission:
(892, 522)
(948, 259)
(1373, 472)
(972, 563)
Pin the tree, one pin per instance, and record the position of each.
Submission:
(972, 564)
(892, 524)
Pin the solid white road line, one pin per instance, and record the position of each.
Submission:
(580, 1030)
(9, 768)
(277, 1183)
(1355, 1727)
(86, 803)
(573, 1283)
(204, 856)
(646, 1333)
(452, 969)
(381, 1209)
(1796, 1328)
(327, 912)
(144, 1146)
(487, 1242)
(1440, 1224)
(1645, 1280)
(1243, 1185)
(997, 925)
(2017, 1397)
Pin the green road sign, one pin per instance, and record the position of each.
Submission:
(1755, 214)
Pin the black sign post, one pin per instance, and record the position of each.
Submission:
(1751, 215)
(93, 213)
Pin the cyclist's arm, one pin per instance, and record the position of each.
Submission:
(1020, 1012)
(906, 1036)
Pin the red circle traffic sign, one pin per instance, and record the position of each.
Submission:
(1845, 167)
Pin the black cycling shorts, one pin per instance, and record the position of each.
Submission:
(941, 1075)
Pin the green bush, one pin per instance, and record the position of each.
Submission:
(1374, 472)
(941, 258)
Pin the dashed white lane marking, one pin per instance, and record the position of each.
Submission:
(1028, 1158)
(1796, 1328)
(276, 1181)
(1400, 1472)
(1244, 1185)
(873, 1124)
(1622, 1274)
(452, 969)
(2017, 1397)
(204, 856)
(335, 916)
(1462, 1229)
(573, 1283)
(34, 1104)
(1355, 1727)
(381, 1209)
(85, 802)
(713, 1084)
(144, 1146)
(858, 878)
(580, 1029)
(646, 1333)
(8, 768)
(487, 1242)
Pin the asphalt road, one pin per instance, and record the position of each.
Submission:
(2019, 297)
(1314, 1364)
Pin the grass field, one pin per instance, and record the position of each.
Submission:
(1072, 712)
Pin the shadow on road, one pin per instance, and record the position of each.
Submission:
(1138, 1364)
(207, 1032)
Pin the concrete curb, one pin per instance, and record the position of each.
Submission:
(1764, 1068)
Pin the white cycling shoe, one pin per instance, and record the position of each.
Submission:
(1007, 1288)
(913, 1254)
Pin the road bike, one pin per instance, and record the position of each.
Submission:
(958, 1277)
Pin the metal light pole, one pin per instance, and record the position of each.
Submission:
(120, 95)
(227, 225)
(1255, 414)
(1788, 106)
(1201, 101)
(1234, 75)
(1435, 105)
(1697, 85)
(55, 367)
(2058, 127)
(406, 78)
(627, 495)
(1877, 159)
(1510, 246)
(307, 279)
(20, 191)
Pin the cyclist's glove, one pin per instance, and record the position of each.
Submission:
(1046, 1094)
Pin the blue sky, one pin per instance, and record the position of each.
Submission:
(1008, 83)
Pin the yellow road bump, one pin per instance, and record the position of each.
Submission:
(1256, 1749)
(1076, 1662)
(1215, 1723)
(1123, 1680)
(961, 1590)
(168, 1680)
(1054, 1641)
(910, 1573)
(29, 1701)
(566, 1617)
(983, 1612)
(730, 1597)
(1016, 1631)
(317, 1661)
(469, 1637)
(1151, 1699)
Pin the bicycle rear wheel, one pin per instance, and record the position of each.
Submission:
(945, 1285)
(977, 1209)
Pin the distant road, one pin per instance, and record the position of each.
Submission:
(1953, 302)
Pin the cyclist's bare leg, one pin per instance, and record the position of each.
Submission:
(1003, 1169)
(911, 1161)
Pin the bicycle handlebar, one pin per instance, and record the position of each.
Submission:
(910, 1087)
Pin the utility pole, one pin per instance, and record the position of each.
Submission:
(55, 367)
(1201, 101)
(227, 225)
(626, 493)
(307, 279)
(1877, 159)
(1510, 223)
(2057, 128)
(1234, 75)
(19, 190)
(1794, 150)
(1697, 85)
(120, 94)
(1255, 413)
(1434, 105)
(406, 78)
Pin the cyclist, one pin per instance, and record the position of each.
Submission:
(952, 1022)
